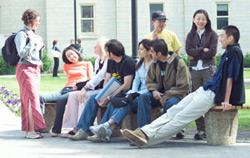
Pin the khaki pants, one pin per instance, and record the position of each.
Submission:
(179, 116)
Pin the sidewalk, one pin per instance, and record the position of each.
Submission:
(14, 145)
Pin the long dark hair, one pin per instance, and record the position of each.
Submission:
(146, 45)
(208, 25)
(65, 59)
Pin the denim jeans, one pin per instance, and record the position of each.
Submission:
(118, 113)
(146, 102)
(88, 115)
(142, 104)
(53, 97)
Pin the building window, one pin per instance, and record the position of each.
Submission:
(222, 15)
(87, 19)
(153, 8)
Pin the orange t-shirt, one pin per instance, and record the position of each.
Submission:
(78, 72)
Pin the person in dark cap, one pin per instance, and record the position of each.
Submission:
(159, 22)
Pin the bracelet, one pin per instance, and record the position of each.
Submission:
(86, 88)
(108, 97)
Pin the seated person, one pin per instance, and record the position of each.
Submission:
(114, 116)
(225, 88)
(121, 67)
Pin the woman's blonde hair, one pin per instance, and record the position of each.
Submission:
(102, 41)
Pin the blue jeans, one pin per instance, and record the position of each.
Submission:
(118, 113)
(88, 115)
(53, 97)
(146, 102)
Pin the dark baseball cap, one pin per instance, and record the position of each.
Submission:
(159, 15)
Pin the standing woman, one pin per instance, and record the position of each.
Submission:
(56, 53)
(29, 47)
(201, 47)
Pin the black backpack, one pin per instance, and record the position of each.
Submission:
(9, 51)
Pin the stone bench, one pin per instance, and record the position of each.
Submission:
(222, 127)
(49, 116)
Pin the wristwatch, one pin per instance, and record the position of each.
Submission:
(86, 88)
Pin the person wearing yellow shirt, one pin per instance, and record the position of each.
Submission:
(159, 22)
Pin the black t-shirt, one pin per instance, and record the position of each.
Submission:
(124, 68)
(163, 69)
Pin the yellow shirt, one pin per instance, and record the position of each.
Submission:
(169, 37)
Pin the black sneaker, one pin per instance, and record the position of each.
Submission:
(200, 136)
(180, 135)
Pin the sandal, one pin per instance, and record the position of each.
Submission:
(64, 135)
(34, 135)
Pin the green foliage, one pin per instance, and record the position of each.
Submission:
(186, 59)
(247, 60)
(47, 62)
(5, 69)
(91, 59)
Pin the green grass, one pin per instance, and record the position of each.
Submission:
(48, 83)
(246, 73)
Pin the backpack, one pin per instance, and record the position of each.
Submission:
(9, 51)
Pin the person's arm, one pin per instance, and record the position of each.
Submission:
(226, 105)
(182, 81)
(212, 48)
(57, 49)
(191, 50)
(23, 49)
(98, 77)
(90, 71)
(125, 86)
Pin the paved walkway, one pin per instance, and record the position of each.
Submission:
(13, 144)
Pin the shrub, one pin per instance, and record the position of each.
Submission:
(6, 69)
(47, 62)
(91, 59)
(247, 60)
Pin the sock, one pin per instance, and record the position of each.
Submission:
(106, 124)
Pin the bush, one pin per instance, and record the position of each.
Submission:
(6, 69)
(47, 62)
(247, 60)
(91, 59)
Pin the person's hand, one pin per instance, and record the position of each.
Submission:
(81, 95)
(104, 102)
(155, 34)
(158, 96)
(205, 50)
(226, 106)
(191, 57)
(74, 87)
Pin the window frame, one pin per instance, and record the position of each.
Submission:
(87, 34)
(150, 15)
(218, 17)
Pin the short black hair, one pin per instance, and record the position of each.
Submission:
(232, 30)
(115, 47)
(159, 45)
(65, 59)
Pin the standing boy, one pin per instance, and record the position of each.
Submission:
(159, 23)
(225, 88)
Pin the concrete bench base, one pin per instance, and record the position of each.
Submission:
(221, 127)
(49, 116)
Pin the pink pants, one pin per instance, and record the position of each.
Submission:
(74, 109)
(28, 77)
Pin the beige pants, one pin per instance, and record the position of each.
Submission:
(179, 116)
(74, 109)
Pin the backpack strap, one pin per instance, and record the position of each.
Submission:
(176, 59)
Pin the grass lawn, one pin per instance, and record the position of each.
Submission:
(54, 84)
